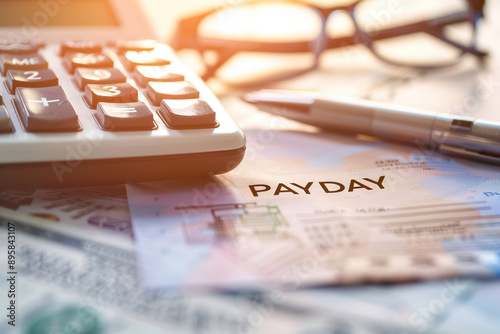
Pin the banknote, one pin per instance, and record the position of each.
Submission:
(312, 209)
(99, 207)
(79, 280)
(64, 279)
(459, 305)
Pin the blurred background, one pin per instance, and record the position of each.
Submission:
(349, 70)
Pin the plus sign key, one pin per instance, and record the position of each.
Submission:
(46, 110)
(22, 62)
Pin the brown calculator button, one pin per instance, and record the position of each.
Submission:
(46, 109)
(157, 91)
(4, 120)
(138, 45)
(80, 46)
(20, 47)
(145, 74)
(131, 59)
(125, 116)
(112, 93)
(87, 60)
(187, 114)
(33, 79)
(25, 62)
(85, 76)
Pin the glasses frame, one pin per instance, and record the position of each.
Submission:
(187, 37)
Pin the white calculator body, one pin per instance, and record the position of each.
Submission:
(89, 97)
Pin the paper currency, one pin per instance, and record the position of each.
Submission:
(67, 283)
(58, 293)
(73, 280)
(447, 306)
(103, 208)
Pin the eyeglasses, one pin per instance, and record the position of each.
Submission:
(420, 34)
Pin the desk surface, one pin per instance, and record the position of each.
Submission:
(417, 305)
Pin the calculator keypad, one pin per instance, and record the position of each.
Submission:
(33, 79)
(105, 87)
(46, 110)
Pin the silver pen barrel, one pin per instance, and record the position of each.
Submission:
(374, 118)
(451, 134)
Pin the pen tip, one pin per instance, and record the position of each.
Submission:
(250, 97)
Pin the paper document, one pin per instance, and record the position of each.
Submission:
(306, 209)
(67, 274)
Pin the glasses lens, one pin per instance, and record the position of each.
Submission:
(274, 24)
(263, 22)
(415, 47)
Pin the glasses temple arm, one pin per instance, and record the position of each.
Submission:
(222, 57)
(434, 27)
(471, 48)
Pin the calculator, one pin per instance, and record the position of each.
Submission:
(90, 97)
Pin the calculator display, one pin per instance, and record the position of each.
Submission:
(56, 13)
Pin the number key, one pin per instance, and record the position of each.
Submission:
(20, 47)
(117, 93)
(26, 62)
(187, 114)
(123, 46)
(124, 116)
(87, 60)
(40, 78)
(85, 76)
(80, 46)
(157, 91)
(143, 58)
(145, 74)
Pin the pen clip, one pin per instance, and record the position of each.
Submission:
(491, 157)
(470, 146)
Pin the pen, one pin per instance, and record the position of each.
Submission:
(447, 133)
